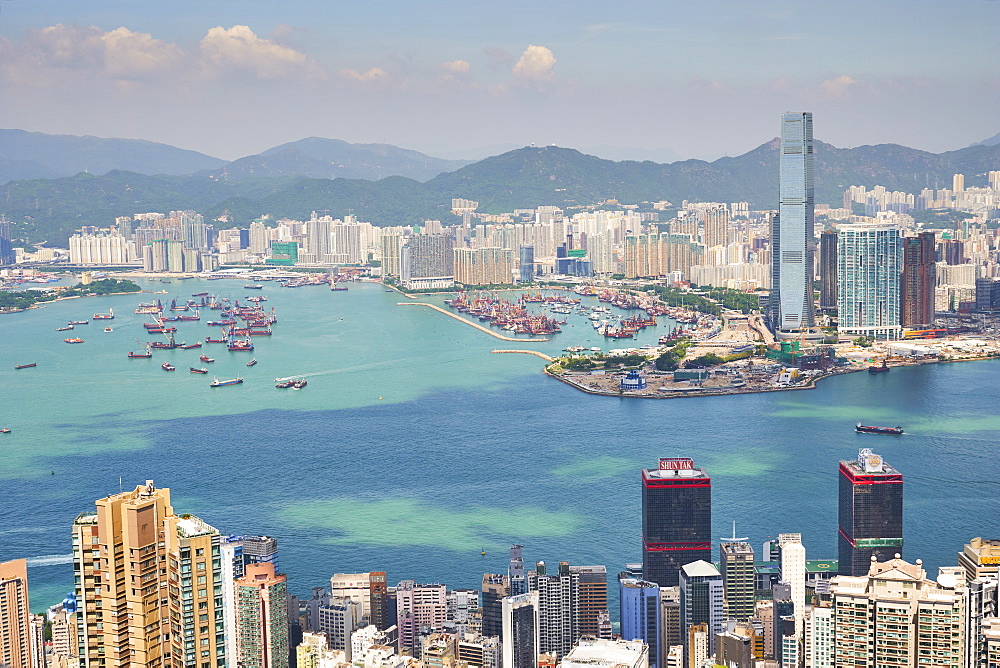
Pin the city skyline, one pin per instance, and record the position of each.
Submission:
(450, 80)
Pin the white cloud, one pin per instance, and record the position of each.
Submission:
(457, 67)
(535, 64)
(129, 54)
(372, 75)
(836, 87)
(238, 49)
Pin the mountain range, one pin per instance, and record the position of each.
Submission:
(272, 183)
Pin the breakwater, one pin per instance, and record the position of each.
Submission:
(471, 324)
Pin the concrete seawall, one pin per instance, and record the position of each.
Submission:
(545, 357)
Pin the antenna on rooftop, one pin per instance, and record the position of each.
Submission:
(733, 538)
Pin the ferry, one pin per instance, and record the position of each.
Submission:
(868, 429)
(73, 340)
(135, 356)
(222, 383)
(167, 366)
(196, 370)
(26, 366)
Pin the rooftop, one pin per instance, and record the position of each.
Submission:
(700, 569)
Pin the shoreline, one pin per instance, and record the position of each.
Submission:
(726, 391)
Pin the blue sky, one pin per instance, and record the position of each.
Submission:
(698, 79)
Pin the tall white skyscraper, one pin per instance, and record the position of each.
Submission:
(869, 268)
(792, 229)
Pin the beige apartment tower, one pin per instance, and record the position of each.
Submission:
(148, 584)
(15, 616)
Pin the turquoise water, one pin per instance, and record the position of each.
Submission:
(413, 448)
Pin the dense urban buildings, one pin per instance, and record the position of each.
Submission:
(676, 519)
(15, 616)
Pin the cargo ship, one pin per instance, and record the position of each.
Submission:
(868, 429)
(136, 356)
(110, 315)
(78, 322)
(222, 383)
(25, 366)
(206, 359)
(73, 340)
(196, 370)
(190, 346)
(64, 329)
(879, 369)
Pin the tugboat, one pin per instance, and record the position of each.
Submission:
(222, 383)
(868, 429)
(167, 366)
(879, 369)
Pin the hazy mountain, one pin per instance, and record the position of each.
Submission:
(607, 152)
(66, 155)
(50, 209)
(992, 141)
(320, 158)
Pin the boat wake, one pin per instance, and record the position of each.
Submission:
(348, 369)
(50, 560)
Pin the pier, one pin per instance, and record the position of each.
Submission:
(545, 357)
(471, 324)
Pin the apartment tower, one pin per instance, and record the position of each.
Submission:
(15, 615)
(262, 618)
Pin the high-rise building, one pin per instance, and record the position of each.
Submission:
(521, 631)
(892, 615)
(427, 256)
(558, 607)
(958, 183)
(701, 601)
(526, 264)
(870, 512)
(495, 589)
(368, 589)
(640, 614)
(828, 270)
(262, 618)
(738, 579)
(15, 615)
(716, 228)
(919, 279)
(818, 645)
(419, 606)
(7, 255)
(670, 618)
(869, 267)
(515, 571)
(676, 519)
(792, 229)
(980, 558)
(339, 617)
(176, 616)
(484, 266)
(593, 584)
(479, 650)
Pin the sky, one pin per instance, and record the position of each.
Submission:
(471, 78)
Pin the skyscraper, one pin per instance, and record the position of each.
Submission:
(792, 229)
(515, 571)
(593, 586)
(828, 270)
(869, 267)
(716, 228)
(738, 579)
(701, 600)
(919, 279)
(520, 631)
(558, 607)
(870, 512)
(640, 614)
(15, 615)
(495, 589)
(262, 618)
(676, 519)
(368, 589)
(7, 255)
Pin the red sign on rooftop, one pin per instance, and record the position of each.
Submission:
(676, 463)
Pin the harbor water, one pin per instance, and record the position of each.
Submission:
(413, 449)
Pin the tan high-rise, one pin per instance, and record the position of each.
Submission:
(15, 618)
(149, 584)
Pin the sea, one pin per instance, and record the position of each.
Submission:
(415, 450)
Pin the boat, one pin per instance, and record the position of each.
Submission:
(190, 346)
(110, 315)
(64, 329)
(206, 359)
(167, 366)
(78, 322)
(145, 355)
(199, 294)
(209, 339)
(868, 429)
(25, 366)
(253, 287)
(879, 369)
(299, 384)
(73, 340)
(222, 383)
(284, 384)
(252, 362)
(196, 370)
(4, 430)
(108, 329)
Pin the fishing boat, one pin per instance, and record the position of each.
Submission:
(196, 370)
(222, 383)
(250, 363)
(206, 359)
(136, 356)
(110, 315)
(167, 366)
(25, 366)
(869, 429)
(64, 329)
(73, 340)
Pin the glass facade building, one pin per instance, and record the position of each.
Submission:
(919, 279)
(640, 614)
(870, 513)
(676, 519)
(792, 229)
(869, 267)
